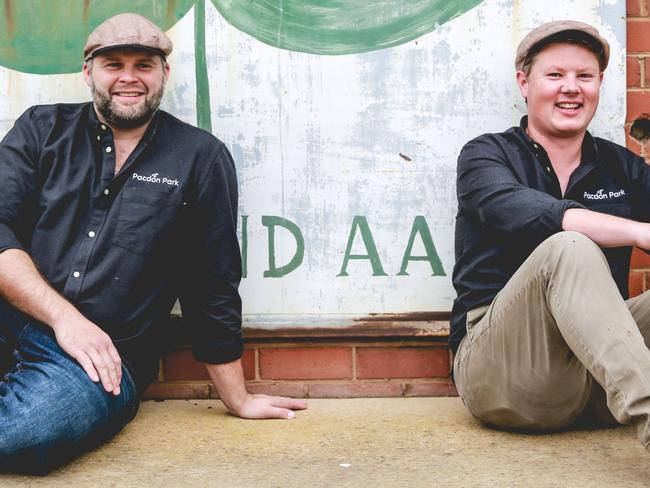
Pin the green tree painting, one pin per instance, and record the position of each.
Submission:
(47, 36)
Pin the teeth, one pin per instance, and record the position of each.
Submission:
(568, 105)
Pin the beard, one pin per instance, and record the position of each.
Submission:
(126, 117)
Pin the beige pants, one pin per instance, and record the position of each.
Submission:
(530, 358)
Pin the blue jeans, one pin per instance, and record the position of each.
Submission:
(50, 410)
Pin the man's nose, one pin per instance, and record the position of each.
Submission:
(570, 84)
(128, 74)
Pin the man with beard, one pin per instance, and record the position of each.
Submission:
(112, 210)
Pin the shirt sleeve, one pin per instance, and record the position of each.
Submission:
(210, 299)
(19, 153)
(489, 189)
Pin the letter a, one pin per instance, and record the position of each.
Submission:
(420, 227)
(360, 222)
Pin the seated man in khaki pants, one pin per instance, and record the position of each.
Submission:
(542, 330)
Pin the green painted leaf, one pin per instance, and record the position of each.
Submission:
(48, 36)
(339, 26)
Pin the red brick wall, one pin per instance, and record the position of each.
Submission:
(321, 369)
(638, 108)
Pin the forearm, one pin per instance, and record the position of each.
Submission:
(23, 287)
(228, 379)
(607, 230)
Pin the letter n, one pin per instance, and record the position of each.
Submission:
(420, 227)
(360, 223)
(271, 222)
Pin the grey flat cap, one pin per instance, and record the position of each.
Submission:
(544, 31)
(124, 31)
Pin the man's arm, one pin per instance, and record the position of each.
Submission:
(23, 286)
(228, 379)
(607, 230)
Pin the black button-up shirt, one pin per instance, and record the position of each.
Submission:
(123, 247)
(509, 201)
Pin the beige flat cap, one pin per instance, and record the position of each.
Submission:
(127, 30)
(544, 31)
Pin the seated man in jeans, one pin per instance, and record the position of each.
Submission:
(542, 330)
(110, 210)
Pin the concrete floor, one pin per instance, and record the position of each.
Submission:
(394, 442)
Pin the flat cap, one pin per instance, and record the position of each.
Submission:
(544, 31)
(127, 30)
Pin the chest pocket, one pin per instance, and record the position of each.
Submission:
(145, 215)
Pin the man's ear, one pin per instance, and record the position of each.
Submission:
(87, 73)
(522, 83)
(167, 70)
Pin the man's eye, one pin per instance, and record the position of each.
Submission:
(144, 66)
(554, 75)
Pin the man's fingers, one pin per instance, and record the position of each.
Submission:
(290, 403)
(103, 370)
(87, 365)
(113, 370)
(115, 356)
(279, 413)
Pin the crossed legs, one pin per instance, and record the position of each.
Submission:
(541, 354)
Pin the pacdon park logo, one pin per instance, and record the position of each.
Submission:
(601, 195)
(154, 178)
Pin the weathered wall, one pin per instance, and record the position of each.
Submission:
(346, 153)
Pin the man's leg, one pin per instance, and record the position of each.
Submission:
(530, 360)
(50, 410)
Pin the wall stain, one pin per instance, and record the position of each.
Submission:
(9, 16)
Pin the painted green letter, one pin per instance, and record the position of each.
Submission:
(420, 227)
(361, 223)
(271, 221)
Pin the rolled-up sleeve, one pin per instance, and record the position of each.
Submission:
(489, 188)
(19, 152)
(209, 297)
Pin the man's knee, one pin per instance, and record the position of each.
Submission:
(570, 248)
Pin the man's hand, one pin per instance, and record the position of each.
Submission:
(268, 407)
(93, 349)
(23, 287)
(228, 379)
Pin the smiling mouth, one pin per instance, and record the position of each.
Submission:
(127, 94)
(569, 105)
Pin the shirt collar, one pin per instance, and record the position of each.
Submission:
(589, 149)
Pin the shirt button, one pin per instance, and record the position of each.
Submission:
(99, 138)
(106, 192)
(103, 127)
(548, 168)
(109, 149)
(91, 233)
(76, 274)
(535, 146)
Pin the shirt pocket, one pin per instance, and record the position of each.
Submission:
(144, 217)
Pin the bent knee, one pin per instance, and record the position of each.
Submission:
(571, 247)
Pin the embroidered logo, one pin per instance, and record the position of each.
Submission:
(154, 178)
(601, 195)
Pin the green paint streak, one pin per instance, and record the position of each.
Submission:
(244, 246)
(48, 36)
(361, 223)
(340, 26)
(271, 222)
(203, 114)
(420, 227)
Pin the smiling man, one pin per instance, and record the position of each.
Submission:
(543, 333)
(110, 211)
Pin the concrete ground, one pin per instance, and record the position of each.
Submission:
(388, 442)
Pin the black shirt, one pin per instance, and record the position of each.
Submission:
(123, 247)
(509, 201)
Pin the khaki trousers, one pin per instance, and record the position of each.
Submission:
(530, 358)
